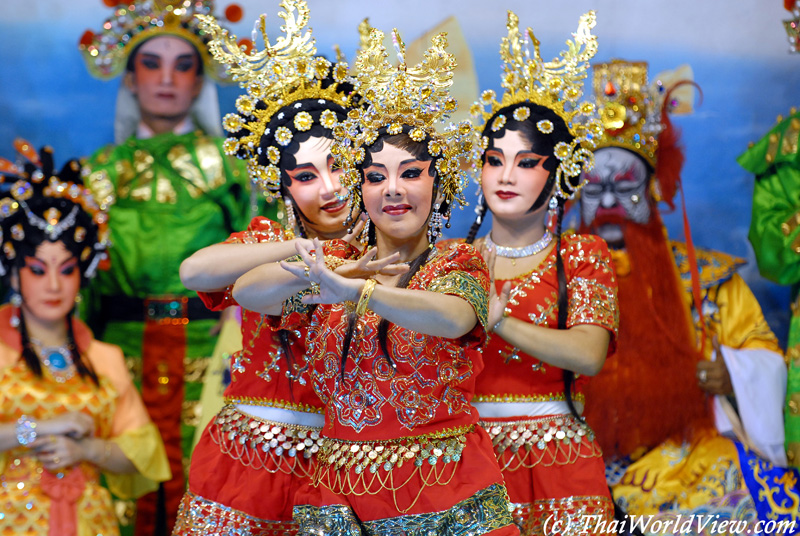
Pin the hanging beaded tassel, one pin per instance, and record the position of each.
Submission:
(552, 212)
(291, 222)
(435, 224)
(364, 238)
(16, 302)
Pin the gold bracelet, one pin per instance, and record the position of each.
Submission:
(366, 294)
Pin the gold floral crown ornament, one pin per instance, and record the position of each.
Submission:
(285, 83)
(629, 108)
(57, 205)
(557, 85)
(134, 21)
(415, 99)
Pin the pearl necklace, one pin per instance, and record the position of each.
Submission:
(57, 359)
(524, 251)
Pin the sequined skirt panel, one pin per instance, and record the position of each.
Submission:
(251, 465)
(554, 470)
(406, 476)
(198, 516)
(486, 512)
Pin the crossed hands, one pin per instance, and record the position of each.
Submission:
(345, 282)
(59, 442)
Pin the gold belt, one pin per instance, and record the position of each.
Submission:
(444, 446)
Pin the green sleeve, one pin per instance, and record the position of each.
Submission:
(775, 224)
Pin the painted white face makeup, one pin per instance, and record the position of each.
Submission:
(398, 192)
(313, 186)
(615, 192)
(512, 177)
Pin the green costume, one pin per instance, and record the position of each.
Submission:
(175, 194)
(775, 236)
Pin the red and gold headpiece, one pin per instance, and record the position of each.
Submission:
(134, 21)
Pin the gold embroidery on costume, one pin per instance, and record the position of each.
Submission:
(482, 513)
(210, 162)
(466, 287)
(578, 515)
(183, 163)
(549, 397)
(199, 516)
(592, 303)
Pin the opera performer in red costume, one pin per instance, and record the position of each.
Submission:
(394, 357)
(553, 306)
(259, 449)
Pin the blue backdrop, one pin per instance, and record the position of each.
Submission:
(737, 49)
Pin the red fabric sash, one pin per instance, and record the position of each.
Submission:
(64, 493)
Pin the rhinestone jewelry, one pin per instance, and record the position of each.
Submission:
(524, 251)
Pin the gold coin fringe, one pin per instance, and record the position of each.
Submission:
(266, 445)
(544, 441)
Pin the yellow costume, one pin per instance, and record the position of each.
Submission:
(29, 494)
(686, 475)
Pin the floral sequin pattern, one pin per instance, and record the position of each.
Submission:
(592, 303)
(425, 374)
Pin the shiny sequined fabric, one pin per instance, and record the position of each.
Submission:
(200, 517)
(484, 512)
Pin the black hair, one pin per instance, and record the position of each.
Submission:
(23, 236)
(541, 144)
(130, 63)
(419, 150)
(285, 118)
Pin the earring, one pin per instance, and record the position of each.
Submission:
(552, 211)
(479, 210)
(435, 224)
(16, 302)
(364, 238)
(291, 221)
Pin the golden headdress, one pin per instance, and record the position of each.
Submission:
(277, 79)
(412, 98)
(38, 203)
(629, 108)
(557, 85)
(133, 21)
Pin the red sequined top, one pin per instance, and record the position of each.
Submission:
(433, 379)
(513, 376)
(259, 371)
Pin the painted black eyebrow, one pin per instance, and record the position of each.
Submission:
(302, 166)
(499, 150)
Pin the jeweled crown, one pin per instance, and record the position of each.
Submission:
(629, 108)
(54, 204)
(557, 85)
(276, 77)
(133, 21)
(405, 96)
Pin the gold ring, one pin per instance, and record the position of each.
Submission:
(307, 271)
(56, 460)
(702, 376)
